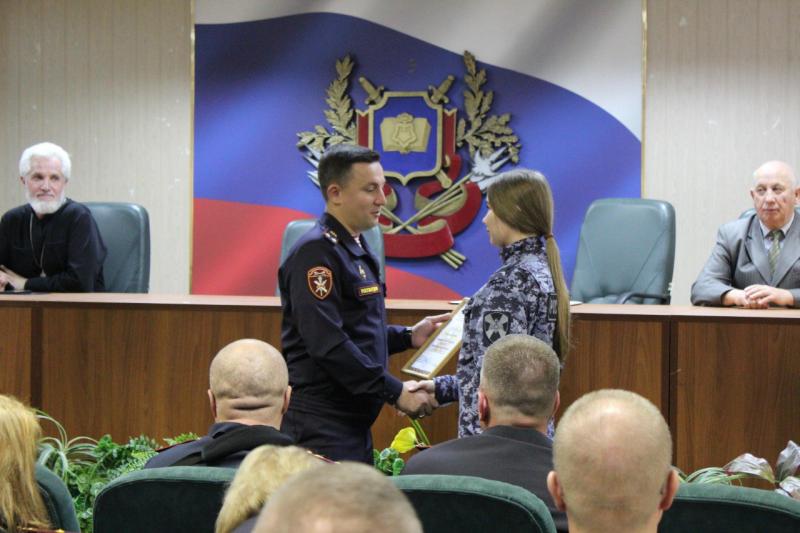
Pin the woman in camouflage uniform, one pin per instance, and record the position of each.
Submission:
(527, 294)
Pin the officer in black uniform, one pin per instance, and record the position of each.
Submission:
(334, 332)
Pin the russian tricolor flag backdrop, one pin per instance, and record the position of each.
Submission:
(567, 71)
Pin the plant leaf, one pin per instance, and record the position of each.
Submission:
(788, 461)
(750, 464)
(397, 466)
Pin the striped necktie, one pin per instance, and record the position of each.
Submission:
(774, 249)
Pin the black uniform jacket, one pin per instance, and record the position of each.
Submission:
(334, 332)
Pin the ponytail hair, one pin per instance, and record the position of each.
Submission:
(522, 199)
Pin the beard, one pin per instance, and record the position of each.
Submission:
(45, 207)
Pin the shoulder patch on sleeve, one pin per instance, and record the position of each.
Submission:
(495, 325)
(552, 307)
(320, 281)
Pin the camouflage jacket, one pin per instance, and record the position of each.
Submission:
(518, 298)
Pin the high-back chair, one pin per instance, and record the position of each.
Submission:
(713, 508)
(626, 252)
(175, 499)
(464, 504)
(125, 229)
(57, 500)
(297, 228)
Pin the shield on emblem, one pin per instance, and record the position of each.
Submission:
(320, 282)
(495, 325)
(406, 128)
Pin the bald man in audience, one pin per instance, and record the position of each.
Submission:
(338, 498)
(249, 394)
(517, 396)
(612, 454)
(756, 261)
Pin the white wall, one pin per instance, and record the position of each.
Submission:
(111, 81)
(723, 78)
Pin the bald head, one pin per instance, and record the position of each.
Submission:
(339, 498)
(612, 455)
(774, 193)
(249, 380)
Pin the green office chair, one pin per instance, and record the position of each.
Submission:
(175, 499)
(125, 229)
(57, 500)
(713, 508)
(464, 504)
(626, 252)
(297, 228)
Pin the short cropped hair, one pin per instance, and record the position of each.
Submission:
(521, 372)
(612, 452)
(47, 150)
(339, 498)
(335, 163)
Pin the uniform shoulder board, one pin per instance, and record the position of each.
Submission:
(330, 235)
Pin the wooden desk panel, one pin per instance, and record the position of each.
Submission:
(129, 364)
(619, 354)
(15, 351)
(737, 390)
(139, 370)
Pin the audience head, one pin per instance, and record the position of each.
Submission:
(775, 193)
(522, 200)
(261, 473)
(519, 383)
(44, 171)
(612, 468)
(249, 384)
(21, 505)
(339, 498)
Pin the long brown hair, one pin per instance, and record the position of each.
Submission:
(21, 505)
(522, 199)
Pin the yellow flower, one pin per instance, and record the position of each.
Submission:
(405, 440)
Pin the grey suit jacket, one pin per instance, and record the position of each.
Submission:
(739, 259)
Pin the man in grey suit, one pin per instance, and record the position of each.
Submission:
(756, 260)
(518, 395)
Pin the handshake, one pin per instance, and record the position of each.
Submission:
(418, 398)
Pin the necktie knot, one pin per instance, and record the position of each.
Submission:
(776, 235)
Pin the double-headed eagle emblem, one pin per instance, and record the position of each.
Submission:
(418, 138)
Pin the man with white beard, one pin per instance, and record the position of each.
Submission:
(51, 244)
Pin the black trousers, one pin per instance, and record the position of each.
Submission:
(334, 437)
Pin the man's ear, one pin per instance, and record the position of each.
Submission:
(670, 488)
(484, 411)
(287, 396)
(334, 192)
(556, 404)
(554, 488)
(212, 401)
(22, 180)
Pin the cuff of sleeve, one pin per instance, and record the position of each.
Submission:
(443, 386)
(393, 389)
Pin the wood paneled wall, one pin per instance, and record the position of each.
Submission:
(722, 86)
(110, 81)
